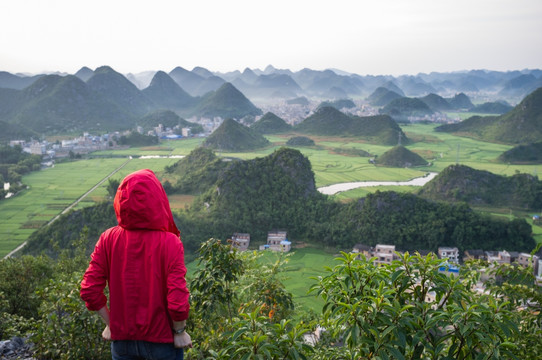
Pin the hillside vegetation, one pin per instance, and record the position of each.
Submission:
(278, 192)
(521, 125)
(227, 102)
(270, 124)
(404, 107)
(400, 156)
(523, 154)
(232, 136)
(196, 172)
(329, 121)
(300, 141)
(478, 187)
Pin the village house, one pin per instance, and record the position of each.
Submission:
(363, 249)
(277, 240)
(384, 254)
(474, 254)
(450, 254)
(240, 241)
(525, 259)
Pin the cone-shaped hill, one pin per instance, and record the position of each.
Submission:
(165, 93)
(232, 136)
(328, 121)
(523, 154)
(270, 124)
(197, 172)
(55, 104)
(400, 156)
(227, 102)
(382, 96)
(119, 90)
(460, 101)
(521, 125)
(480, 187)
(405, 107)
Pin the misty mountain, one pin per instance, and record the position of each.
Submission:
(270, 124)
(521, 125)
(141, 80)
(193, 83)
(520, 86)
(320, 83)
(203, 72)
(436, 102)
(460, 102)
(493, 107)
(338, 104)
(226, 102)
(56, 104)
(11, 81)
(84, 73)
(415, 86)
(266, 86)
(390, 85)
(402, 108)
(119, 90)
(382, 96)
(167, 94)
(302, 100)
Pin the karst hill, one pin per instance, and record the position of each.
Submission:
(458, 183)
(233, 136)
(328, 121)
(521, 125)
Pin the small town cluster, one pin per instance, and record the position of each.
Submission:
(88, 143)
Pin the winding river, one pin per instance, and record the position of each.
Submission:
(337, 188)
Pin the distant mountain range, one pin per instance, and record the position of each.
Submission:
(106, 101)
(103, 99)
(272, 82)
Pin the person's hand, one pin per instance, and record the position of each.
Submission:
(106, 334)
(182, 340)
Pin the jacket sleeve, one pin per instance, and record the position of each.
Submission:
(177, 291)
(95, 278)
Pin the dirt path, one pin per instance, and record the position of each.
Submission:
(73, 204)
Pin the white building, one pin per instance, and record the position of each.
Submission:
(277, 241)
(384, 254)
(449, 253)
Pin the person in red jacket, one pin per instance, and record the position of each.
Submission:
(142, 261)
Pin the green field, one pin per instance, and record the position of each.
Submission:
(52, 190)
(303, 264)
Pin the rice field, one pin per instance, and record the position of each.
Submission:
(52, 190)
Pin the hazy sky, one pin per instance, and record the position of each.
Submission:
(359, 36)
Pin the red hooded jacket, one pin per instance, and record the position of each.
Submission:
(142, 261)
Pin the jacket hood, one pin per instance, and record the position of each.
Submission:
(141, 203)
